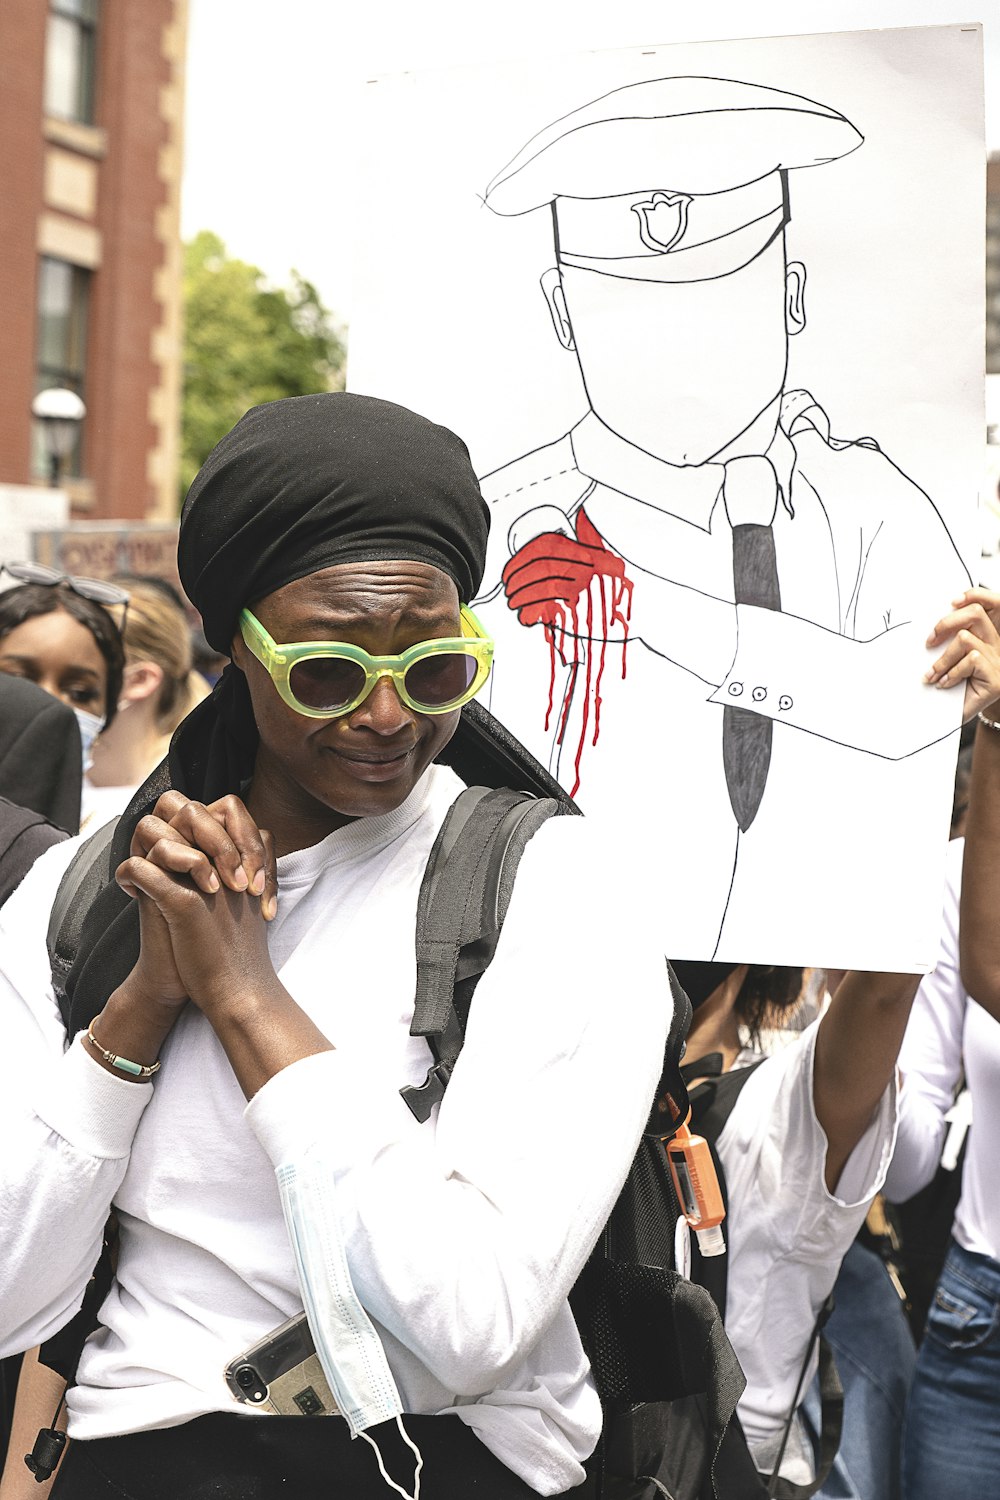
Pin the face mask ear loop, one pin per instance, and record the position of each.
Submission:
(381, 1466)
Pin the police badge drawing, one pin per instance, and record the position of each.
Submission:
(724, 524)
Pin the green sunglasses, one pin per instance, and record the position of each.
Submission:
(324, 679)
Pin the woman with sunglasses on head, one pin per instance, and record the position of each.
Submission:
(59, 632)
(237, 1016)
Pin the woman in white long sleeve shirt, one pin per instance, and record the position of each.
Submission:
(276, 1022)
(951, 1442)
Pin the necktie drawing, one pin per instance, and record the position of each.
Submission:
(750, 492)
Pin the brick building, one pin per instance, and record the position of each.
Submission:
(91, 117)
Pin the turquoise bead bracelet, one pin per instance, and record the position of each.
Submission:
(123, 1064)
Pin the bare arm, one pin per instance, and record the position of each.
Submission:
(978, 611)
(856, 1049)
(39, 1391)
(979, 930)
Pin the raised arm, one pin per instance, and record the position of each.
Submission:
(856, 1049)
(979, 931)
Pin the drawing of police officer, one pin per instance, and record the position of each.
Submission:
(712, 570)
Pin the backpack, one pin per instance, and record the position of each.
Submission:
(665, 1371)
(24, 835)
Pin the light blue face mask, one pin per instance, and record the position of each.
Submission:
(346, 1340)
(90, 727)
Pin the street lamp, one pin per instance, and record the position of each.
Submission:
(60, 412)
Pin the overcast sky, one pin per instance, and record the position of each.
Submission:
(271, 87)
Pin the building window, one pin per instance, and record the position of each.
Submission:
(71, 59)
(63, 294)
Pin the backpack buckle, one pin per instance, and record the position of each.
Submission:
(420, 1098)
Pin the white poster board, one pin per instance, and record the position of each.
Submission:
(710, 320)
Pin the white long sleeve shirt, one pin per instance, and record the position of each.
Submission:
(463, 1235)
(947, 1030)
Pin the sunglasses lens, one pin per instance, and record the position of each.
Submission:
(326, 682)
(438, 680)
(27, 572)
(100, 592)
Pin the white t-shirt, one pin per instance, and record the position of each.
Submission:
(99, 804)
(945, 1028)
(463, 1235)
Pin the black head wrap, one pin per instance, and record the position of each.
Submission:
(297, 486)
(302, 484)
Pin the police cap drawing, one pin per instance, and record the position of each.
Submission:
(710, 570)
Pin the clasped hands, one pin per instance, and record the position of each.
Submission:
(206, 884)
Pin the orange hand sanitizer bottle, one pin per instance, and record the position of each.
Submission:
(697, 1188)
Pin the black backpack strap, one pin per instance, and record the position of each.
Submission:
(463, 900)
(735, 1472)
(86, 874)
(482, 752)
(831, 1395)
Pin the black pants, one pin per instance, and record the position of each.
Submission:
(224, 1457)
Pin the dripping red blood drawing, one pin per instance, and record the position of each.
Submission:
(561, 583)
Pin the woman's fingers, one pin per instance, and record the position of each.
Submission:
(224, 833)
(169, 803)
(986, 598)
(942, 672)
(213, 844)
(257, 858)
(139, 876)
(971, 616)
(164, 846)
(269, 900)
(971, 656)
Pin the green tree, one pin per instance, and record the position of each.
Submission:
(245, 342)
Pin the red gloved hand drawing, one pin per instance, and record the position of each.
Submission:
(576, 589)
(554, 571)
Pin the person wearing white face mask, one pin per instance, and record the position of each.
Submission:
(59, 632)
(159, 688)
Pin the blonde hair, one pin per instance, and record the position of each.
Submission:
(156, 631)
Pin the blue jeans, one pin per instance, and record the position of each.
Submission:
(951, 1438)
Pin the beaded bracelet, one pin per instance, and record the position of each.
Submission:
(137, 1070)
(990, 723)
